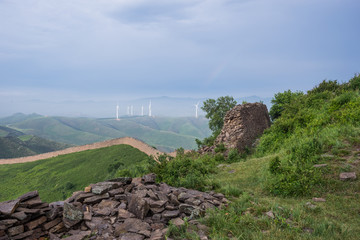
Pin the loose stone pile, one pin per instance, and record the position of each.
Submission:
(122, 208)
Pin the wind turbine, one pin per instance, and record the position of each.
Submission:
(150, 109)
(128, 110)
(196, 109)
(117, 111)
(132, 110)
(142, 110)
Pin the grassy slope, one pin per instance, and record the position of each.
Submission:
(337, 218)
(16, 144)
(58, 177)
(163, 133)
(322, 126)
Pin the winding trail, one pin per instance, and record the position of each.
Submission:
(125, 140)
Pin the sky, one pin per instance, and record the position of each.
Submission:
(97, 50)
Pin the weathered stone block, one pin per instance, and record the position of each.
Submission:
(138, 206)
(170, 214)
(31, 203)
(96, 199)
(133, 225)
(16, 230)
(149, 178)
(19, 215)
(52, 224)
(124, 214)
(8, 222)
(33, 224)
(9, 207)
(28, 195)
(72, 213)
(157, 204)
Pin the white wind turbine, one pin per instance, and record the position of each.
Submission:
(128, 110)
(196, 109)
(150, 109)
(142, 110)
(117, 111)
(132, 110)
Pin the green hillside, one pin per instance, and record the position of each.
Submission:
(14, 144)
(166, 134)
(277, 190)
(58, 177)
(18, 117)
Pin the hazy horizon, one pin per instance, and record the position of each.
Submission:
(163, 106)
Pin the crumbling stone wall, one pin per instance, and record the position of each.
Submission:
(243, 124)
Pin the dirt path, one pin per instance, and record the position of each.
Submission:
(126, 140)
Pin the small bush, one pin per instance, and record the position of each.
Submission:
(330, 86)
(69, 186)
(233, 156)
(188, 170)
(354, 83)
(220, 148)
(219, 157)
(274, 166)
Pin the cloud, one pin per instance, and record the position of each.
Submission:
(163, 47)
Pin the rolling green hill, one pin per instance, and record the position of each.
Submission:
(56, 178)
(14, 144)
(166, 134)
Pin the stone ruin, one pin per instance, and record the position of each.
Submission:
(122, 208)
(242, 126)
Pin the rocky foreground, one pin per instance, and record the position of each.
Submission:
(122, 208)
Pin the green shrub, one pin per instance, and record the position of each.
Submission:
(69, 186)
(233, 156)
(209, 141)
(354, 83)
(274, 166)
(188, 170)
(220, 148)
(219, 157)
(280, 101)
(330, 86)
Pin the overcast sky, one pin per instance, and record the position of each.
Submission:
(114, 49)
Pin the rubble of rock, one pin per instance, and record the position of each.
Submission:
(242, 126)
(122, 208)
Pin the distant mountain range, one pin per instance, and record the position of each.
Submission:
(164, 133)
(161, 106)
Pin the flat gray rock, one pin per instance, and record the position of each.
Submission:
(138, 206)
(9, 207)
(347, 176)
(131, 236)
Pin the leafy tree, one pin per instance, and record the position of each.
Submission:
(279, 102)
(216, 110)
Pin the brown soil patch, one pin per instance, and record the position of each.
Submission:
(125, 140)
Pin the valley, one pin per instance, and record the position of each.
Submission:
(164, 133)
